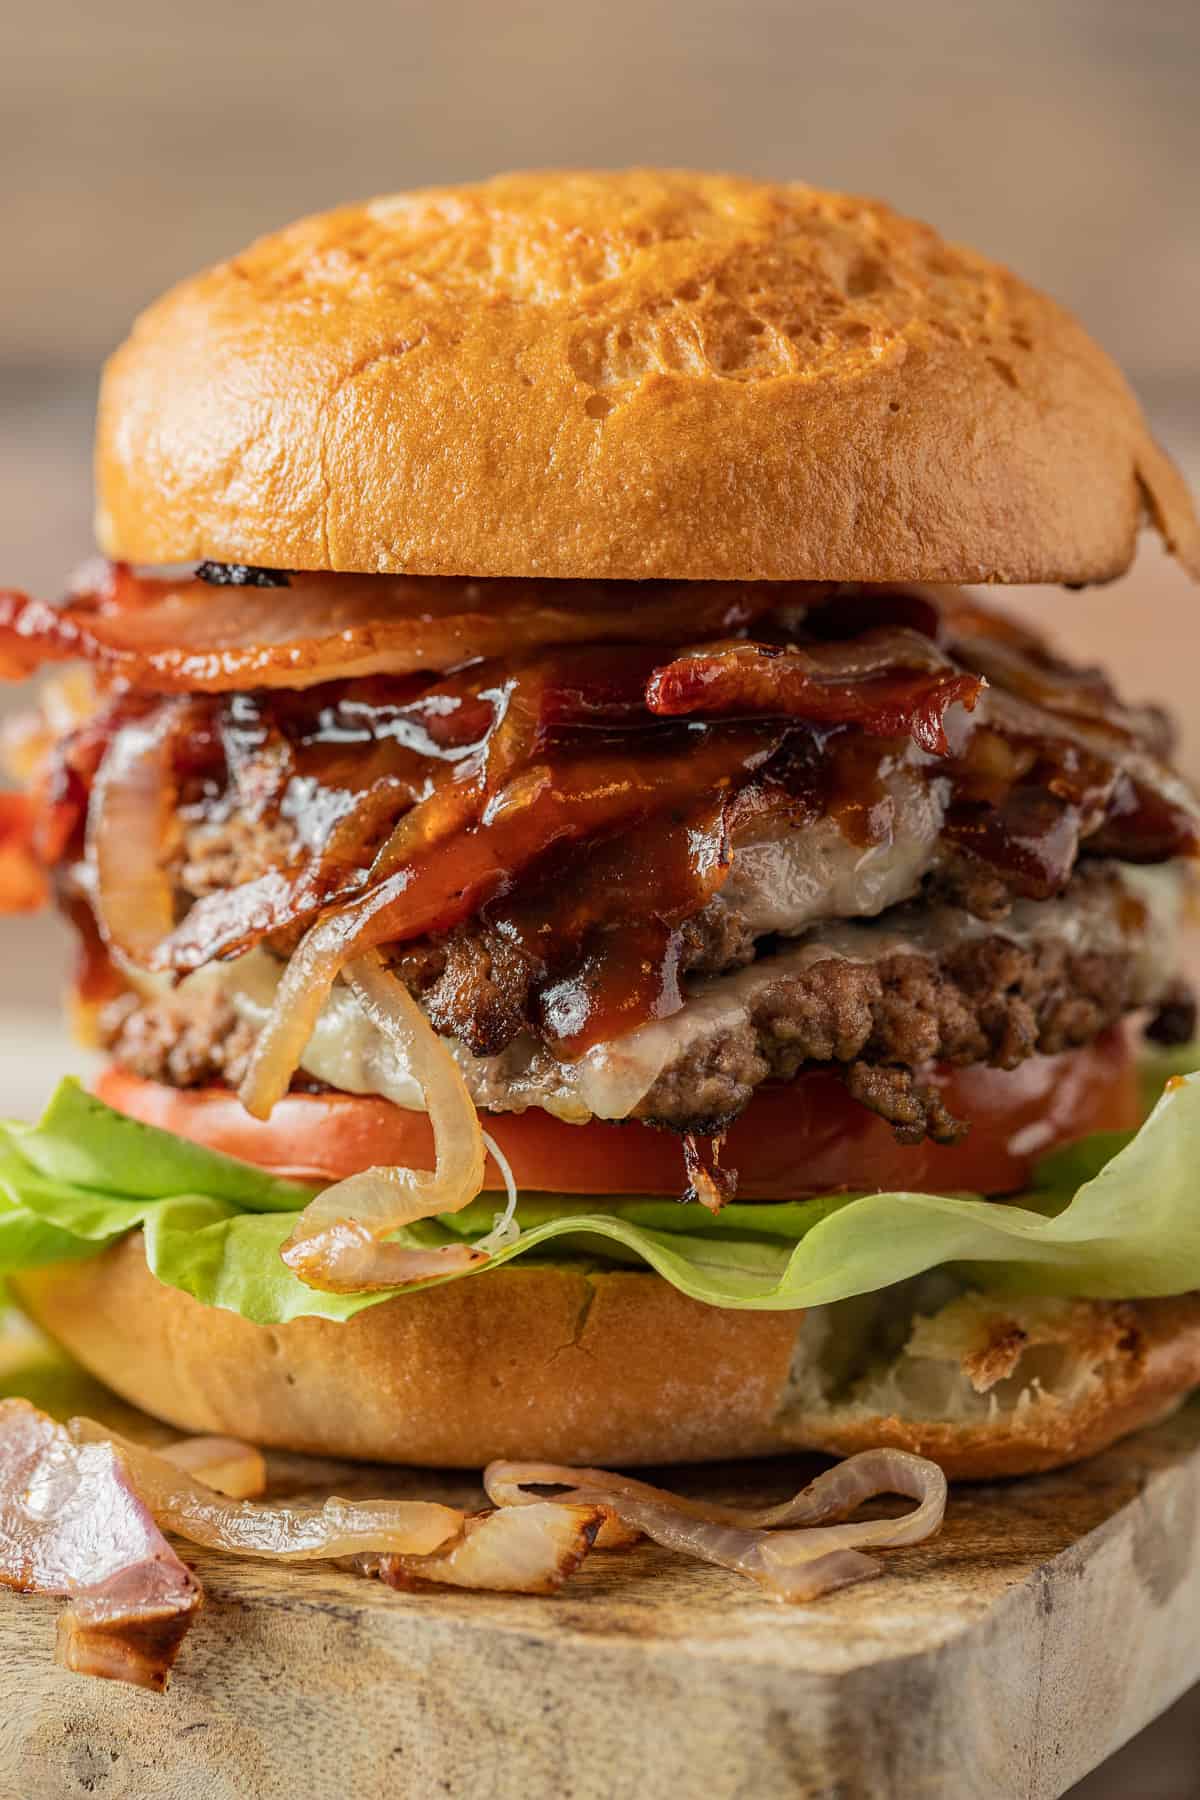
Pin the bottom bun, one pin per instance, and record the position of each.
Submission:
(566, 1363)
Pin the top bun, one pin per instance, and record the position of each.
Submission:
(641, 374)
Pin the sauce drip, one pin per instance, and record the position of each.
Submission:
(578, 802)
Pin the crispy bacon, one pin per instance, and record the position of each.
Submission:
(439, 886)
(573, 794)
(495, 839)
(889, 682)
(73, 1523)
(1032, 785)
(186, 636)
(1015, 659)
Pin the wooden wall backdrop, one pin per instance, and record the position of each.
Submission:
(138, 139)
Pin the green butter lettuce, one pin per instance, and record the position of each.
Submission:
(1114, 1216)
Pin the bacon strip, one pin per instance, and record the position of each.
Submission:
(542, 807)
(442, 883)
(890, 683)
(71, 1522)
(187, 636)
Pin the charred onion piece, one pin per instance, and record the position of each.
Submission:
(890, 683)
(788, 1549)
(707, 1182)
(516, 1550)
(219, 574)
(73, 1522)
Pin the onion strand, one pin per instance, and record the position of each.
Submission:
(292, 1531)
(338, 1243)
(128, 820)
(790, 1550)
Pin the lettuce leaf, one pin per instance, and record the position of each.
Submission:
(1115, 1216)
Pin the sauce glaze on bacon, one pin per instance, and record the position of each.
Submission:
(186, 636)
(577, 801)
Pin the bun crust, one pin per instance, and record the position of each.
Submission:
(566, 1364)
(643, 374)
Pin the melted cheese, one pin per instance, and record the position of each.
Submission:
(349, 1052)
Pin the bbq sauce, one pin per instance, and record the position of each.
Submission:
(586, 829)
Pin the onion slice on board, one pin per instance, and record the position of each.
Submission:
(234, 1469)
(337, 1244)
(788, 1549)
(73, 1521)
(515, 1550)
(288, 1531)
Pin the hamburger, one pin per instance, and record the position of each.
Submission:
(606, 950)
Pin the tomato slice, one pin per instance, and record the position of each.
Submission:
(805, 1137)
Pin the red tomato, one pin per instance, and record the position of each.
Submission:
(803, 1138)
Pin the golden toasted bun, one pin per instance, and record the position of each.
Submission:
(563, 1363)
(645, 374)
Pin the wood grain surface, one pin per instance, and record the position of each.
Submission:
(1048, 1623)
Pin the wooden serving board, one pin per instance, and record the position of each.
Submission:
(1049, 1622)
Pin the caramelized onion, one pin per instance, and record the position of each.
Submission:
(72, 1522)
(517, 1550)
(788, 1549)
(129, 817)
(175, 636)
(438, 887)
(532, 1549)
(230, 921)
(337, 1244)
(707, 1182)
(505, 1229)
(290, 1531)
(64, 703)
(234, 1469)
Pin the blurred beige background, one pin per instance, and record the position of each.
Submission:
(139, 140)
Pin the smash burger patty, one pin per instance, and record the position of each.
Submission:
(531, 703)
(924, 983)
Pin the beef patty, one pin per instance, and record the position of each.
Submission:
(877, 1001)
